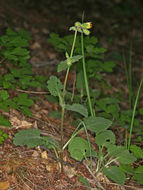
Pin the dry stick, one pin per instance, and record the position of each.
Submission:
(97, 182)
(31, 92)
(28, 91)
(24, 181)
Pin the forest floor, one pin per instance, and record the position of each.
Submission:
(118, 25)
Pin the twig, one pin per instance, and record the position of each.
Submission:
(31, 92)
(97, 182)
(25, 182)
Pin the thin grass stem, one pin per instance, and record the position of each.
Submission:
(63, 102)
(85, 77)
(133, 114)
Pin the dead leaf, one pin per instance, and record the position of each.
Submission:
(20, 123)
(3, 185)
(44, 154)
(69, 171)
(35, 45)
(35, 154)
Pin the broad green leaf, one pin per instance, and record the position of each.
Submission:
(115, 174)
(78, 148)
(97, 124)
(137, 151)
(126, 157)
(127, 169)
(55, 86)
(29, 137)
(4, 122)
(121, 153)
(139, 169)
(138, 177)
(77, 108)
(105, 136)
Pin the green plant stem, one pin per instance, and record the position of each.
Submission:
(130, 77)
(85, 77)
(133, 115)
(63, 102)
(73, 135)
(128, 73)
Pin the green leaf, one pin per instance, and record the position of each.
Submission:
(4, 122)
(140, 111)
(115, 174)
(78, 148)
(55, 86)
(139, 169)
(65, 64)
(24, 34)
(100, 50)
(15, 72)
(19, 51)
(62, 66)
(8, 85)
(105, 136)
(51, 143)
(29, 137)
(127, 169)
(4, 106)
(55, 114)
(23, 100)
(10, 32)
(97, 124)
(80, 84)
(86, 32)
(121, 153)
(4, 95)
(77, 108)
(139, 178)
(108, 66)
(137, 151)
(8, 77)
(26, 111)
(51, 98)
(84, 181)
(3, 136)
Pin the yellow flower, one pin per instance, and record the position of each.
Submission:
(88, 25)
